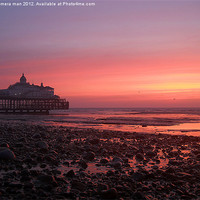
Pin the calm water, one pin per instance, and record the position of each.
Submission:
(149, 120)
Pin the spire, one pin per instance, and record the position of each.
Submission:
(23, 79)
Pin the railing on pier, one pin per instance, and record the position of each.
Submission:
(34, 105)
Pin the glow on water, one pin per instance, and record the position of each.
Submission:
(169, 121)
(181, 129)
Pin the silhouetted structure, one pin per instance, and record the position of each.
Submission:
(24, 89)
(25, 98)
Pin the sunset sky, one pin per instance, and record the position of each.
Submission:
(115, 54)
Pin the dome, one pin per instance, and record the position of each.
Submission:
(23, 79)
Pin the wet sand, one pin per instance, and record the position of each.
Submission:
(47, 162)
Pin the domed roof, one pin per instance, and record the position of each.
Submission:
(23, 79)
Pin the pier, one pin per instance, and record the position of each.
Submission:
(11, 105)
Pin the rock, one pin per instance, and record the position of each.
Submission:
(66, 163)
(116, 165)
(139, 195)
(25, 172)
(78, 185)
(117, 159)
(7, 154)
(43, 165)
(47, 179)
(134, 149)
(103, 161)
(144, 125)
(94, 141)
(36, 136)
(102, 187)
(175, 162)
(83, 164)
(28, 186)
(198, 157)
(157, 161)
(42, 145)
(184, 175)
(137, 176)
(70, 173)
(89, 156)
(125, 160)
(110, 173)
(151, 154)
(60, 139)
(19, 145)
(6, 145)
(129, 155)
(110, 194)
(69, 195)
(170, 170)
(139, 157)
(173, 154)
(22, 140)
(15, 185)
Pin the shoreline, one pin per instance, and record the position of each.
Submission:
(40, 162)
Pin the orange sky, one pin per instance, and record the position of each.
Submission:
(135, 54)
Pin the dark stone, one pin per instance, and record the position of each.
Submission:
(70, 173)
(37, 136)
(28, 160)
(69, 195)
(47, 179)
(25, 178)
(4, 145)
(15, 185)
(89, 156)
(78, 185)
(95, 141)
(83, 164)
(66, 163)
(151, 154)
(43, 165)
(139, 157)
(102, 187)
(7, 154)
(117, 165)
(116, 159)
(110, 173)
(28, 186)
(42, 145)
(137, 176)
(198, 157)
(59, 139)
(139, 196)
(103, 161)
(110, 194)
(20, 145)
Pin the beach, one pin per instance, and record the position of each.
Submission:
(58, 162)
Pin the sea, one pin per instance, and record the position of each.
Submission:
(175, 121)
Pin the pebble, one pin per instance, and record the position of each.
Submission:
(139, 157)
(42, 145)
(150, 154)
(70, 173)
(110, 194)
(78, 185)
(83, 164)
(47, 179)
(89, 164)
(104, 161)
(89, 156)
(7, 154)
